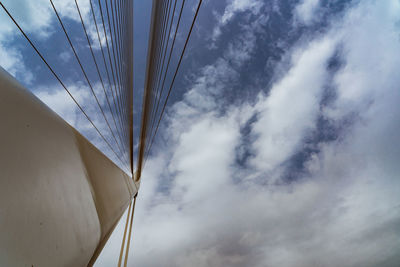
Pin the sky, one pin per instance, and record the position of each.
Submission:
(280, 144)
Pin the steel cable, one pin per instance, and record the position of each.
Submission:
(60, 81)
(176, 72)
(168, 62)
(84, 73)
(112, 69)
(158, 95)
(119, 95)
(98, 71)
(106, 68)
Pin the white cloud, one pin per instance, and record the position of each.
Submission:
(59, 101)
(12, 61)
(306, 11)
(68, 9)
(239, 6)
(36, 18)
(235, 7)
(344, 212)
(371, 59)
(211, 142)
(65, 56)
(33, 17)
(291, 107)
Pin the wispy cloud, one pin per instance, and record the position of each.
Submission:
(306, 11)
(39, 22)
(291, 107)
(35, 18)
(194, 209)
(235, 7)
(197, 207)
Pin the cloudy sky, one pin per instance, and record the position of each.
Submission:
(280, 146)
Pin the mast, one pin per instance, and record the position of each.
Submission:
(60, 197)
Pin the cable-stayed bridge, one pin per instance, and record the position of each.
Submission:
(60, 196)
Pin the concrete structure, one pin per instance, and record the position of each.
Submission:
(60, 197)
